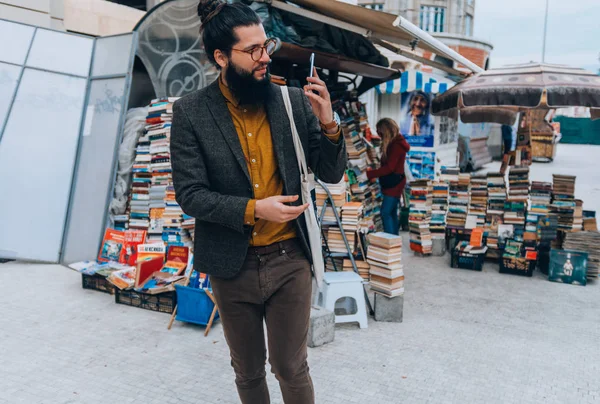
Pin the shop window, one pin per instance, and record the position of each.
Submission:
(432, 18)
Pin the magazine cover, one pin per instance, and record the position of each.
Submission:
(112, 248)
(151, 251)
(133, 238)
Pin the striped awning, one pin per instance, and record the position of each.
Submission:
(412, 80)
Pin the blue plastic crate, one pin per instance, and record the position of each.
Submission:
(193, 305)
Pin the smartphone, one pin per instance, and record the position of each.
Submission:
(312, 65)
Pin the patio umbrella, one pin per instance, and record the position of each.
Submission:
(498, 95)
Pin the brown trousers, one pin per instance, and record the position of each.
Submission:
(273, 286)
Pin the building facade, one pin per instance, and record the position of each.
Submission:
(89, 17)
(451, 21)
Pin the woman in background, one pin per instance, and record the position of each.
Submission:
(391, 173)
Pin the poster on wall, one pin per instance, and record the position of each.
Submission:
(422, 164)
(416, 122)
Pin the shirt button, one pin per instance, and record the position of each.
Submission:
(245, 110)
(283, 251)
(254, 160)
(255, 185)
(250, 134)
(255, 233)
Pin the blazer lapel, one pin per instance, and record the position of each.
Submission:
(220, 112)
(280, 129)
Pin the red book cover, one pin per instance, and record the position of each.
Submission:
(133, 238)
(178, 253)
(112, 248)
(145, 269)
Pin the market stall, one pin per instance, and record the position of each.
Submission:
(433, 140)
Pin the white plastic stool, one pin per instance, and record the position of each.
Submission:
(337, 285)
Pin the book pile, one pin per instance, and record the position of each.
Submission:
(351, 216)
(547, 228)
(515, 208)
(586, 241)
(495, 212)
(518, 184)
(513, 249)
(338, 194)
(458, 203)
(139, 198)
(335, 264)
(540, 198)
(152, 204)
(479, 199)
(589, 221)
(363, 151)
(439, 207)
(120, 222)
(465, 247)
(420, 216)
(362, 266)
(564, 205)
(385, 257)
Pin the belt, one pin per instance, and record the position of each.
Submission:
(275, 247)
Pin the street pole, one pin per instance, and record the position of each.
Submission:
(545, 28)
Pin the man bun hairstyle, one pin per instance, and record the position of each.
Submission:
(218, 21)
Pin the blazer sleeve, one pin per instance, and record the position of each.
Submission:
(327, 159)
(190, 179)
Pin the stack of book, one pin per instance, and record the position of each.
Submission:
(586, 241)
(515, 208)
(335, 240)
(362, 266)
(564, 204)
(361, 154)
(139, 198)
(458, 203)
(338, 194)
(152, 205)
(518, 184)
(339, 264)
(540, 198)
(495, 212)
(439, 208)
(547, 228)
(385, 257)
(420, 216)
(351, 217)
(479, 199)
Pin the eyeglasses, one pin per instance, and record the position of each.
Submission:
(257, 52)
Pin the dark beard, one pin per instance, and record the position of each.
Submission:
(245, 88)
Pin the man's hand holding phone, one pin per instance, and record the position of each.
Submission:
(320, 99)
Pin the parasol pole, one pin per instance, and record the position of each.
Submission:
(545, 28)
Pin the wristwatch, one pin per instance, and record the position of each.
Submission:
(336, 122)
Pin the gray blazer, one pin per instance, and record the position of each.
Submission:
(211, 177)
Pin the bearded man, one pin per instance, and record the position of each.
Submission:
(235, 170)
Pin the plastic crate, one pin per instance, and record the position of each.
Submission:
(517, 266)
(464, 260)
(194, 305)
(162, 302)
(97, 282)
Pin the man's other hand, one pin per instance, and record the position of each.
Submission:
(274, 209)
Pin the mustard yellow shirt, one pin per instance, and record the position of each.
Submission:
(254, 132)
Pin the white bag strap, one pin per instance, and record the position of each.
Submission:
(297, 143)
